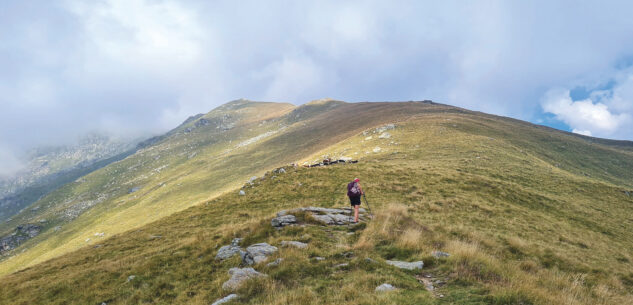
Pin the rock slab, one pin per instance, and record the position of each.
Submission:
(239, 276)
(225, 299)
(257, 253)
(283, 220)
(406, 265)
(385, 287)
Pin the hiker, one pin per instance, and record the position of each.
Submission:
(354, 191)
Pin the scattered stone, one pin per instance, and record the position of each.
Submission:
(252, 179)
(283, 220)
(57, 228)
(296, 244)
(319, 258)
(134, 189)
(440, 254)
(242, 193)
(20, 235)
(228, 251)
(368, 138)
(385, 128)
(377, 149)
(275, 263)
(225, 299)
(385, 287)
(341, 265)
(370, 261)
(87, 239)
(406, 265)
(348, 254)
(131, 278)
(257, 253)
(238, 276)
(100, 234)
(155, 236)
(385, 135)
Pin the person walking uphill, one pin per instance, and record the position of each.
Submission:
(354, 191)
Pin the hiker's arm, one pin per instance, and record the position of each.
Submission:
(361, 189)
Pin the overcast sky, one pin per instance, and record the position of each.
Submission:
(135, 67)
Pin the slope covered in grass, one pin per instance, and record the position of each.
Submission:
(201, 159)
(528, 214)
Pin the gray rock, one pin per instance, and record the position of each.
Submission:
(275, 263)
(242, 193)
(239, 276)
(440, 254)
(318, 258)
(370, 261)
(385, 135)
(341, 265)
(131, 278)
(225, 299)
(283, 220)
(236, 242)
(292, 243)
(385, 128)
(134, 189)
(228, 251)
(332, 219)
(257, 253)
(406, 265)
(20, 235)
(385, 287)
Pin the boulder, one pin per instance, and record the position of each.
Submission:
(225, 299)
(282, 221)
(228, 251)
(292, 243)
(406, 265)
(257, 253)
(242, 193)
(385, 287)
(275, 263)
(239, 276)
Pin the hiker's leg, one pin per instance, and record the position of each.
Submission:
(356, 213)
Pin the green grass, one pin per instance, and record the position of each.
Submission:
(526, 220)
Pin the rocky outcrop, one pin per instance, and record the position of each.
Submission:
(406, 265)
(239, 276)
(324, 216)
(283, 220)
(21, 234)
(257, 253)
(230, 250)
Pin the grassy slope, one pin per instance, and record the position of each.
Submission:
(171, 180)
(530, 215)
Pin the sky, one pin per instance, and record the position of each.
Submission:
(132, 68)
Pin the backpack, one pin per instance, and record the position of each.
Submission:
(352, 189)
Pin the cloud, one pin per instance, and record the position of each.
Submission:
(592, 116)
(142, 66)
(9, 163)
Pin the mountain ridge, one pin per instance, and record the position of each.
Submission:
(438, 167)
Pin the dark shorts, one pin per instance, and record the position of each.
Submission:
(355, 200)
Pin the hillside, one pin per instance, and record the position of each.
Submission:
(48, 168)
(528, 214)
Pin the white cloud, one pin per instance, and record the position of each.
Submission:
(586, 116)
(9, 163)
